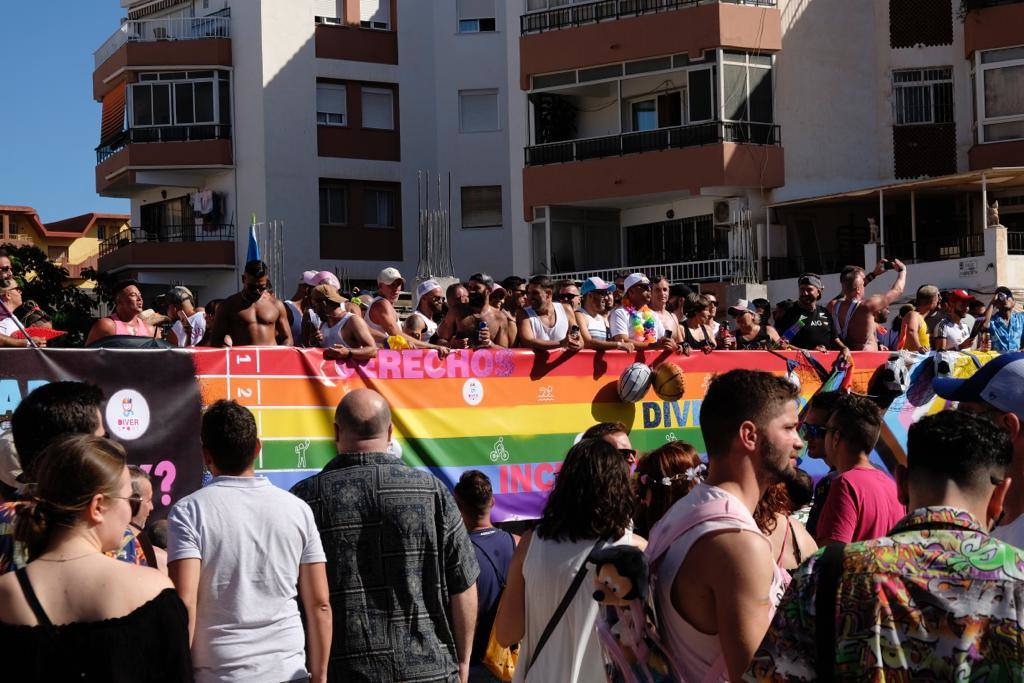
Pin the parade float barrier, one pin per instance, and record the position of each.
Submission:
(511, 414)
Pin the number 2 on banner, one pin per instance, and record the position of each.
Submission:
(545, 394)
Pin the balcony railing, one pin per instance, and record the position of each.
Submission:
(155, 30)
(114, 144)
(568, 16)
(936, 248)
(689, 271)
(168, 233)
(969, 5)
(693, 135)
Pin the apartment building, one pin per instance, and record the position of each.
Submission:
(322, 116)
(752, 140)
(72, 243)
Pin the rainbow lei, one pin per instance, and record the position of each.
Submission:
(642, 323)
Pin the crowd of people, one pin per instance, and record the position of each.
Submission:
(372, 570)
(633, 312)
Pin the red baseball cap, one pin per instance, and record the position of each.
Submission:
(958, 295)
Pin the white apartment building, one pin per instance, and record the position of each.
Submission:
(319, 115)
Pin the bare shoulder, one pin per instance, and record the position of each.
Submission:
(726, 548)
(12, 602)
(145, 583)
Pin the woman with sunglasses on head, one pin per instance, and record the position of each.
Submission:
(73, 613)
(662, 477)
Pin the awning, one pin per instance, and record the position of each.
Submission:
(994, 179)
(113, 112)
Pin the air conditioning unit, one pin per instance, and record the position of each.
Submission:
(727, 212)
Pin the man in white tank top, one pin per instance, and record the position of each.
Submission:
(592, 316)
(381, 317)
(342, 334)
(429, 303)
(716, 581)
(545, 324)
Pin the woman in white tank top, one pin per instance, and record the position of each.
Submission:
(593, 477)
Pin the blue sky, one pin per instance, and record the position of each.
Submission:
(49, 123)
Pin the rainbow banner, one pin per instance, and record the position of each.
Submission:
(511, 414)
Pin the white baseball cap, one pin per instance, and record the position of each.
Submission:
(999, 383)
(635, 279)
(425, 288)
(388, 276)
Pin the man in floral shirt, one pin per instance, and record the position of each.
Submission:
(937, 599)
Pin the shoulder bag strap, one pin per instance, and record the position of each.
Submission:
(562, 607)
(830, 570)
(33, 603)
(147, 547)
(487, 555)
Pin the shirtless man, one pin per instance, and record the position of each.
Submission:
(458, 308)
(429, 303)
(854, 316)
(253, 316)
(381, 317)
(496, 333)
(126, 318)
(659, 304)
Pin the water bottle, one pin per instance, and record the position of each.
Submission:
(794, 329)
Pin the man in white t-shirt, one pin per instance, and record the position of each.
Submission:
(190, 324)
(634, 321)
(954, 333)
(237, 549)
(996, 391)
(10, 295)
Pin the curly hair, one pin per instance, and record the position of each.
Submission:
(775, 501)
(591, 497)
(674, 458)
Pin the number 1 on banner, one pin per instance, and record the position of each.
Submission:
(244, 362)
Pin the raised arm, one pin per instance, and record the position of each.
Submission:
(897, 288)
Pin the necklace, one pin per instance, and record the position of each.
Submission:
(64, 559)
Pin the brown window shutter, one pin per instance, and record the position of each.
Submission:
(113, 112)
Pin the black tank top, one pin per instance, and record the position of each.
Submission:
(760, 341)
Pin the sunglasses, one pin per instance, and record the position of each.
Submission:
(134, 502)
(809, 431)
(567, 296)
(628, 453)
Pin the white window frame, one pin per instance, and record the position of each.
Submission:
(331, 118)
(683, 111)
(497, 109)
(391, 110)
(979, 85)
(394, 207)
(929, 79)
(377, 25)
(722, 58)
(477, 29)
(214, 80)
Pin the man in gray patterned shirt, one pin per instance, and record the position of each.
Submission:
(401, 569)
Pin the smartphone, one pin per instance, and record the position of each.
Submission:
(887, 265)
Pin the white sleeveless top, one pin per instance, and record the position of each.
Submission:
(332, 333)
(431, 325)
(366, 316)
(542, 333)
(698, 652)
(573, 652)
(597, 326)
(297, 321)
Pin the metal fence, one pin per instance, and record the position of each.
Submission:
(191, 133)
(168, 233)
(155, 30)
(689, 271)
(936, 248)
(567, 16)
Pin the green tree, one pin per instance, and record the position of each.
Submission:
(46, 283)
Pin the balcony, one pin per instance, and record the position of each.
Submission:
(616, 31)
(991, 24)
(678, 160)
(713, 270)
(172, 246)
(607, 10)
(163, 30)
(198, 148)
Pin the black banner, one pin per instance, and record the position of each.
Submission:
(152, 406)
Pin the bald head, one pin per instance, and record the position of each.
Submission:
(363, 415)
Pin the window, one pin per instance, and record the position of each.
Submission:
(378, 108)
(181, 98)
(999, 78)
(331, 104)
(375, 14)
(476, 16)
(478, 111)
(329, 11)
(644, 115)
(333, 204)
(57, 254)
(701, 94)
(101, 232)
(481, 207)
(379, 208)
(747, 91)
(193, 102)
(922, 96)
(151, 105)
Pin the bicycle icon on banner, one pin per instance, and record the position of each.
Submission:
(499, 452)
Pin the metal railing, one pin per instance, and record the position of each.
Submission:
(677, 137)
(168, 233)
(570, 15)
(688, 271)
(936, 248)
(155, 30)
(192, 133)
(1015, 243)
(968, 5)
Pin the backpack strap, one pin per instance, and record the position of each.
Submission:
(830, 570)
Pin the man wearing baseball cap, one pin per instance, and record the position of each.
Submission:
(953, 333)
(996, 391)
(592, 316)
(190, 325)
(1006, 328)
(634, 321)
(342, 334)
(381, 317)
(422, 324)
(299, 306)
